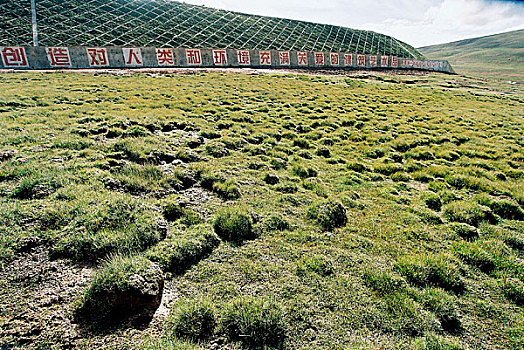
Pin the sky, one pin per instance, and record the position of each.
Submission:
(417, 22)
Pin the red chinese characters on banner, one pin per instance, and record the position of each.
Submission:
(319, 58)
(361, 60)
(14, 57)
(284, 58)
(193, 57)
(334, 59)
(244, 58)
(384, 61)
(219, 57)
(265, 58)
(133, 56)
(97, 57)
(373, 61)
(165, 57)
(58, 56)
(348, 59)
(394, 62)
(302, 58)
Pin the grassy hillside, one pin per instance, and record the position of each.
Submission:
(499, 56)
(176, 24)
(283, 210)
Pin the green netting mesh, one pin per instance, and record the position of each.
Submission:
(164, 23)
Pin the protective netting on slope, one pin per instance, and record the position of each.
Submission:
(164, 23)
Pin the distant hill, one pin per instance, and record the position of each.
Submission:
(499, 56)
(165, 23)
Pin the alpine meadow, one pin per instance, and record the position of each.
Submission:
(242, 208)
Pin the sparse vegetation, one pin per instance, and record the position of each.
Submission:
(406, 235)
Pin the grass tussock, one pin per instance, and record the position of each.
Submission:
(431, 270)
(234, 224)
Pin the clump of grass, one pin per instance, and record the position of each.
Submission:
(137, 131)
(447, 196)
(187, 155)
(304, 172)
(323, 151)
(513, 289)
(422, 153)
(193, 320)
(375, 153)
(234, 224)
(400, 177)
(181, 179)
(100, 226)
(315, 264)
(217, 149)
(316, 186)
(276, 223)
(132, 150)
(39, 184)
(406, 316)
(191, 218)
(515, 241)
(383, 281)
(427, 216)
(194, 142)
(357, 167)
(436, 342)
(460, 181)
(286, 187)
(433, 201)
(179, 252)
(227, 190)
(468, 212)
(473, 254)
(425, 270)
(271, 179)
(506, 209)
(328, 214)
(208, 178)
(102, 301)
(278, 163)
(387, 168)
(301, 143)
(172, 211)
(256, 323)
(465, 231)
(137, 179)
(443, 306)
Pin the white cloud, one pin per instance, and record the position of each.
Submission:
(451, 20)
(422, 22)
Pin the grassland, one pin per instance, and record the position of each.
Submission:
(497, 57)
(287, 211)
(164, 23)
